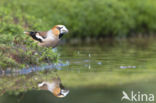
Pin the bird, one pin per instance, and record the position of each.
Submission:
(55, 87)
(48, 38)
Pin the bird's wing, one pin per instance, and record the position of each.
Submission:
(43, 34)
(38, 36)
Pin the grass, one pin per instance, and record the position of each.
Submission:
(21, 56)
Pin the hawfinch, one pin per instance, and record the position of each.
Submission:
(50, 38)
(55, 87)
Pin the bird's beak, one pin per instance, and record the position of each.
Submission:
(65, 30)
(63, 93)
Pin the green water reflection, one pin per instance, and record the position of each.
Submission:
(97, 73)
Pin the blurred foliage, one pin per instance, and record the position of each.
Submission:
(84, 18)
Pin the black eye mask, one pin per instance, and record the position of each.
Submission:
(59, 28)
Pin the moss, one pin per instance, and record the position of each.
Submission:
(24, 56)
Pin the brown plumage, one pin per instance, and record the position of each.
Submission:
(54, 87)
(49, 38)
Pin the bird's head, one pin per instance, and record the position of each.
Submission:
(60, 91)
(60, 30)
(63, 93)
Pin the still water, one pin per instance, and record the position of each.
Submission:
(96, 72)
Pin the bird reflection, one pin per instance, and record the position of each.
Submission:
(55, 87)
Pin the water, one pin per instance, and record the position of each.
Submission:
(94, 72)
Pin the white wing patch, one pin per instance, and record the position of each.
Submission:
(41, 84)
(39, 37)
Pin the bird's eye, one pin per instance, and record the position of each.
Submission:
(59, 28)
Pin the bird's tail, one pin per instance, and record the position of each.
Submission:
(41, 84)
(26, 32)
(33, 35)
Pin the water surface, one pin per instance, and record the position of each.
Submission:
(95, 72)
